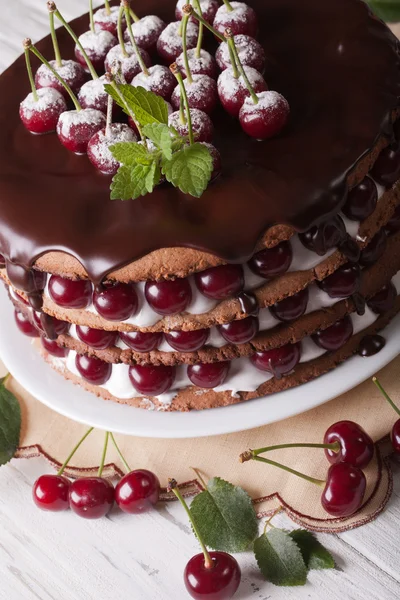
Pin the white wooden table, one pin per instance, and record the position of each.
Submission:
(61, 557)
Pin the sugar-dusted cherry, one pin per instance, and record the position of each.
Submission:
(99, 339)
(70, 71)
(125, 58)
(237, 16)
(137, 491)
(98, 149)
(221, 282)
(334, 337)
(208, 10)
(203, 128)
(209, 375)
(168, 297)
(232, 89)
(278, 361)
(70, 293)
(141, 341)
(250, 52)
(51, 493)
(201, 91)
(361, 200)
(93, 95)
(200, 63)
(107, 18)
(40, 110)
(187, 341)
(266, 117)
(147, 30)
(356, 446)
(169, 44)
(24, 324)
(158, 79)
(272, 262)
(344, 491)
(152, 380)
(92, 369)
(91, 497)
(75, 128)
(97, 44)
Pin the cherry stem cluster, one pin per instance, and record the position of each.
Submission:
(385, 395)
(120, 31)
(74, 450)
(127, 467)
(175, 70)
(143, 67)
(319, 482)
(103, 455)
(201, 19)
(173, 487)
(335, 447)
(235, 56)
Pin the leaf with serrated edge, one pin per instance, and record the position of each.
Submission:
(160, 135)
(279, 558)
(146, 106)
(315, 555)
(130, 182)
(189, 169)
(131, 153)
(10, 424)
(225, 516)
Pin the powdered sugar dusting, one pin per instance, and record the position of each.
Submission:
(147, 30)
(266, 100)
(229, 86)
(99, 146)
(250, 52)
(102, 18)
(98, 43)
(239, 13)
(159, 77)
(72, 118)
(201, 124)
(204, 64)
(129, 65)
(202, 87)
(171, 42)
(49, 99)
(68, 71)
(92, 92)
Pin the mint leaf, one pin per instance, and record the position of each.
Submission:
(146, 106)
(131, 153)
(131, 182)
(225, 516)
(279, 558)
(387, 10)
(314, 554)
(10, 423)
(160, 135)
(189, 169)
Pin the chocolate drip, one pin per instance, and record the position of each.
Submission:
(248, 303)
(359, 302)
(47, 324)
(350, 249)
(30, 281)
(370, 345)
(337, 66)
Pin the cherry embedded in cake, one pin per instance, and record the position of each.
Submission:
(53, 348)
(187, 341)
(393, 225)
(69, 293)
(325, 236)
(203, 128)
(232, 90)
(386, 169)
(158, 80)
(75, 128)
(209, 375)
(98, 149)
(272, 262)
(291, 308)
(374, 250)
(251, 53)
(169, 44)
(151, 380)
(201, 92)
(116, 302)
(24, 324)
(168, 297)
(342, 283)
(237, 16)
(221, 282)
(70, 71)
(361, 200)
(334, 337)
(141, 341)
(240, 332)
(92, 369)
(200, 63)
(279, 361)
(266, 117)
(99, 339)
(384, 300)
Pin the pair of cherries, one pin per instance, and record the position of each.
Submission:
(349, 449)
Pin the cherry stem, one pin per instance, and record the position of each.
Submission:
(5, 379)
(385, 395)
(335, 446)
(78, 445)
(319, 482)
(107, 7)
(127, 467)
(228, 5)
(173, 487)
(120, 32)
(109, 116)
(30, 74)
(40, 56)
(268, 521)
(126, 107)
(182, 111)
(233, 51)
(203, 483)
(132, 38)
(77, 42)
(201, 30)
(185, 22)
(175, 70)
(234, 66)
(56, 47)
(91, 16)
(202, 20)
(103, 455)
(134, 15)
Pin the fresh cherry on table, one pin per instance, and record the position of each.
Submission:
(203, 129)
(237, 16)
(344, 491)
(251, 53)
(232, 89)
(218, 582)
(69, 293)
(137, 491)
(220, 282)
(395, 432)
(267, 117)
(202, 63)
(51, 493)
(91, 497)
(356, 446)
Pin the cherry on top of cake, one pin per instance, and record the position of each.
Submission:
(340, 76)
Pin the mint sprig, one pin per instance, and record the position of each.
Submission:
(10, 423)
(189, 169)
(146, 106)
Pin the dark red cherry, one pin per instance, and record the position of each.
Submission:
(344, 492)
(233, 91)
(187, 341)
(199, 65)
(141, 341)
(242, 19)
(70, 294)
(335, 336)
(278, 361)
(137, 491)
(374, 250)
(272, 262)
(356, 446)
(116, 302)
(92, 369)
(220, 282)
(201, 93)
(151, 380)
(50, 492)
(41, 116)
(96, 44)
(107, 20)
(53, 348)
(146, 32)
(361, 200)
(240, 332)
(265, 119)
(342, 283)
(49, 325)
(384, 300)
(159, 80)
(209, 375)
(2, 261)
(393, 225)
(291, 308)
(386, 169)
(395, 436)
(208, 10)
(24, 324)
(96, 338)
(251, 53)
(328, 234)
(76, 127)
(91, 497)
(219, 582)
(202, 126)
(169, 44)
(216, 160)
(129, 65)
(168, 297)
(98, 149)
(93, 95)
(71, 72)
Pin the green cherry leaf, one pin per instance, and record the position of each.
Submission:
(279, 559)
(131, 182)
(189, 169)
(131, 153)
(146, 106)
(160, 135)
(387, 10)
(315, 555)
(225, 516)
(10, 423)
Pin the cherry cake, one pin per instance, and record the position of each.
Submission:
(287, 265)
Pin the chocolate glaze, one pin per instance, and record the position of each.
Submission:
(370, 345)
(337, 66)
